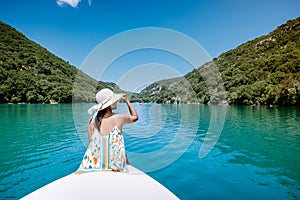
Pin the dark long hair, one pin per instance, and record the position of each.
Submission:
(99, 117)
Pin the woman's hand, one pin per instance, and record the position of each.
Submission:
(124, 97)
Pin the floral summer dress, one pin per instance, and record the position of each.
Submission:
(104, 152)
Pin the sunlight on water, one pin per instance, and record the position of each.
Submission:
(256, 156)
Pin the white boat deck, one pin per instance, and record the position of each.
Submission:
(133, 184)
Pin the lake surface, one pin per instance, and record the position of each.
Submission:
(196, 151)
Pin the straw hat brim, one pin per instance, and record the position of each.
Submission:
(106, 104)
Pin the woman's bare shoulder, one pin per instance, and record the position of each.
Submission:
(125, 119)
(121, 116)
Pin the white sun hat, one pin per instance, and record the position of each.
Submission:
(104, 98)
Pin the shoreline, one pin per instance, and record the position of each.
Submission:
(142, 103)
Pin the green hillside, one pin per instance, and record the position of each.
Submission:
(31, 74)
(263, 71)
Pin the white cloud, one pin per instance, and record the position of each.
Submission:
(90, 2)
(72, 3)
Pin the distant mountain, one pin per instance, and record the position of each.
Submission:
(31, 74)
(263, 71)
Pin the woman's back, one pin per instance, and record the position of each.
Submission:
(108, 124)
(106, 150)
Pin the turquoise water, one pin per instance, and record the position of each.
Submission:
(257, 154)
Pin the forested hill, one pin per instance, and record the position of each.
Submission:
(31, 74)
(263, 71)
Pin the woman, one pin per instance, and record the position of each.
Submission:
(106, 150)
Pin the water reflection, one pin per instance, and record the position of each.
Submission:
(266, 141)
(167, 143)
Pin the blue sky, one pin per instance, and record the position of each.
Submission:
(71, 29)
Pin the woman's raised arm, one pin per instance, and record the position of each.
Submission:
(133, 117)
